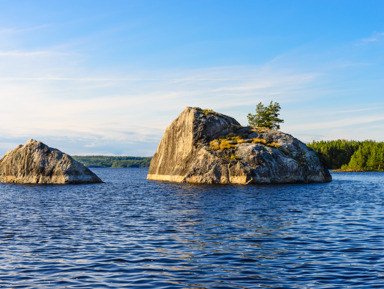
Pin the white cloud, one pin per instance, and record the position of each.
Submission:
(51, 95)
(340, 123)
(47, 99)
(18, 53)
(16, 31)
(377, 36)
(350, 123)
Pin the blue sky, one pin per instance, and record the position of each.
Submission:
(107, 77)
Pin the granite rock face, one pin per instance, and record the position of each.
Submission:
(36, 163)
(202, 146)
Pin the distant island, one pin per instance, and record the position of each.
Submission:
(113, 161)
(349, 155)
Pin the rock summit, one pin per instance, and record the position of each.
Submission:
(37, 163)
(202, 146)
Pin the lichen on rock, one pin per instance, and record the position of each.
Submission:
(212, 148)
(36, 163)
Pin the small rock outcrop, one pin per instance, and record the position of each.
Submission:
(202, 146)
(36, 163)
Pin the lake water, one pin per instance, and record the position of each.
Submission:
(134, 233)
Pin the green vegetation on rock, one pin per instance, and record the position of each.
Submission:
(232, 142)
(206, 111)
(351, 155)
(233, 157)
(114, 162)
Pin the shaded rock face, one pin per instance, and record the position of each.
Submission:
(202, 146)
(36, 163)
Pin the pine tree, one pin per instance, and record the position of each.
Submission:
(266, 116)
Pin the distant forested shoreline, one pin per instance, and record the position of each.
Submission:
(345, 155)
(113, 162)
(342, 155)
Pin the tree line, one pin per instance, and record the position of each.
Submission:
(351, 155)
(114, 162)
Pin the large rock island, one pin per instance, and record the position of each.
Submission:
(202, 146)
(36, 163)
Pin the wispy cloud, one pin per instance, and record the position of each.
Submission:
(49, 94)
(52, 96)
(340, 123)
(18, 53)
(24, 29)
(377, 36)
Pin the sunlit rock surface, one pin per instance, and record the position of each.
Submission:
(202, 146)
(36, 163)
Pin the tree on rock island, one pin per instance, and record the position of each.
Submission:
(266, 116)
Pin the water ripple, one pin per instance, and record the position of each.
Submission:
(134, 233)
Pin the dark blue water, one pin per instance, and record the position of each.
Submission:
(134, 233)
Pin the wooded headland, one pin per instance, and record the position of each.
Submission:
(349, 155)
